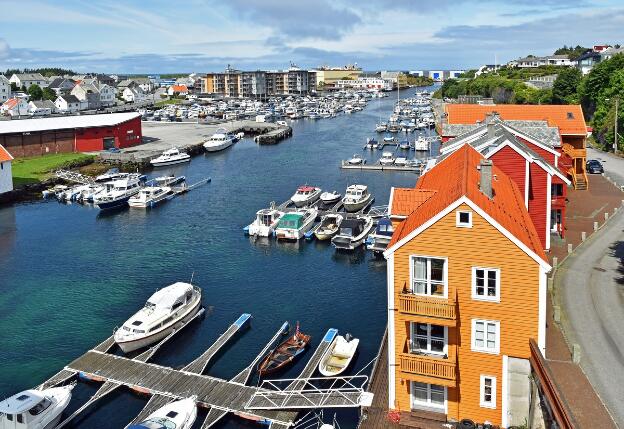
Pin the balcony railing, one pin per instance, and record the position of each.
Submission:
(574, 153)
(428, 366)
(430, 307)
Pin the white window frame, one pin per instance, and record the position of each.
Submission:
(412, 336)
(428, 405)
(475, 296)
(460, 224)
(445, 274)
(482, 401)
(496, 349)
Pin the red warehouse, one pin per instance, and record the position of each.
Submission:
(89, 133)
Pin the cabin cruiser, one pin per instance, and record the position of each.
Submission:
(305, 195)
(352, 233)
(356, 198)
(169, 180)
(167, 309)
(401, 161)
(356, 160)
(149, 196)
(219, 141)
(111, 174)
(421, 144)
(118, 193)
(35, 409)
(405, 145)
(171, 157)
(265, 222)
(328, 227)
(294, 225)
(386, 158)
(381, 128)
(175, 415)
(328, 198)
(378, 241)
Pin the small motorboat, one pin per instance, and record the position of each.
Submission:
(265, 222)
(119, 192)
(328, 198)
(356, 198)
(379, 239)
(171, 157)
(356, 160)
(219, 141)
(294, 225)
(169, 180)
(421, 144)
(149, 196)
(338, 356)
(175, 415)
(111, 174)
(352, 233)
(305, 195)
(389, 139)
(371, 143)
(381, 128)
(167, 309)
(401, 161)
(53, 191)
(35, 409)
(285, 353)
(405, 145)
(328, 227)
(386, 158)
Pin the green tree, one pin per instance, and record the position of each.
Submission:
(565, 88)
(597, 81)
(49, 94)
(35, 92)
(14, 87)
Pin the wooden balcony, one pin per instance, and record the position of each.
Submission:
(437, 308)
(573, 152)
(439, 368)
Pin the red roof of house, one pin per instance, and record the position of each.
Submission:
(179, 88)
(11, 103)
(457, 176)
(568, 118)
(4, 154)
(406, 200)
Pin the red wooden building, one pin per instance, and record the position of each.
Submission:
(531, 163)
(88, 133)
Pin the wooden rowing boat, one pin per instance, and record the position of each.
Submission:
(285, 353)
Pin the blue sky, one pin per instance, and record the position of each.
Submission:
(154, 36)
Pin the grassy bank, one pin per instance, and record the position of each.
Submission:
(169, 101)
(36, 169)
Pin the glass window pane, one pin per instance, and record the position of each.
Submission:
(437, 395)
(419, 391)
(421, 329)
(420, 287)
(420, 268)
(437, 289)
(437, 331)
(437, 270)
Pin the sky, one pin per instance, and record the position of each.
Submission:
(154, 36)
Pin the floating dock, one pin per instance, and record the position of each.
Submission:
(378, 167)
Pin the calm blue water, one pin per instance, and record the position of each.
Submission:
(70, 274)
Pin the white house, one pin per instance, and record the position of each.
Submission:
(41, 108)
(5, 88)
(61, 85)
(107, 95)
(177, 89)
(6, 178)
(15, 107)
(69, 103)
(28, 79)
(133, 94)
(551, 60)
(373, 83)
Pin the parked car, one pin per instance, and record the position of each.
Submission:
(113, 150)
(594, 166)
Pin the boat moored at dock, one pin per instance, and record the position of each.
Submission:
(356, 198)
(149, 196)
(329, 198)
(219, 141)
(119, 192)
(171, 157)
(330, 223)
(35, 409)
(305, 195)
(265, 222)
(175, 415)
(352, 233)
(294, 225)
(164, 311)
(380, 238)
(386, 159)
(338, 356)
(285, 353)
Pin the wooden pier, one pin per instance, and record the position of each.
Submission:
(378, 167)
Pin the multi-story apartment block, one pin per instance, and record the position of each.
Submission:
(5, 89)
(466, 294)
(249, 84)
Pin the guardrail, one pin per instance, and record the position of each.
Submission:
(428, 366)
(417, 305)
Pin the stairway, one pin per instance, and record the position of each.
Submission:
(581, 182)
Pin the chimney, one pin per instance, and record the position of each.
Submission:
(491, 133)
(485, 182)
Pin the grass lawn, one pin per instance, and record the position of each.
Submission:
(32, 170)
(165, 102)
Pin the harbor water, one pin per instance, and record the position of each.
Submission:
(70, 274)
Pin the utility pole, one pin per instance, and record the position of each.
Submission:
(615, 126)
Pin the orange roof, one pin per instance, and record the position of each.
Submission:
(568, 118)
(11, 103)
(406, 200)
(457, 176)
(4, 154)
(179, 88)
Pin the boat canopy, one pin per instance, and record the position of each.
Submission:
(291, 220)
(306, 188)
(384, 227)
(169, 296)
(352, 227)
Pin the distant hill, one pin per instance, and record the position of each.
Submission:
(45, 71)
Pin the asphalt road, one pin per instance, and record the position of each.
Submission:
(613, 165)
(591, 283)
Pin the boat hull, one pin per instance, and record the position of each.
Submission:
(354, 207)
(211, 147)
(324, 235)
(172, 162)
(109, 205)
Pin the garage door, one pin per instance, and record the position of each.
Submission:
(109, 142)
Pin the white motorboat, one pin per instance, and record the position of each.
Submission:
(305, 195)
(401, 161)
(118, 194)
(149, 196)
(356, 198)
(338, 356)
(381, 128)
(171, 157)
(405, 145)
(294, 225)
(389, 139)
(111, 174)
(328, 198)
(166, 310)
(35, 409)
(54, 191)
(356, 160)
(328, 227)
(175, 415)
(421, 144)
(379, 239)
(352, 233)
(386, 158)
(265, 222)
(169, 180)
(219, 141)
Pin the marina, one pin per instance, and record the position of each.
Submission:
(117, 258)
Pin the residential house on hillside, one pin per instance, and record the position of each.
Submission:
(524, 151)
(608, 53)
(461, 314)
(587, 61)
(28, 79)
(88, 94)
(70, 103)
(41, 108)
(533, 61)
(5, 88)
(133, 94)
(177, 90)
(107, 94)
(62, 85)
(15, 107)
(6, 177)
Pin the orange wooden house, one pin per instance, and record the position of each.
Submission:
(568, 119)
(466, 293)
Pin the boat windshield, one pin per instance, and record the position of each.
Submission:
(150, 305)
(346, 231)
(155, 423)
(40, 407)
